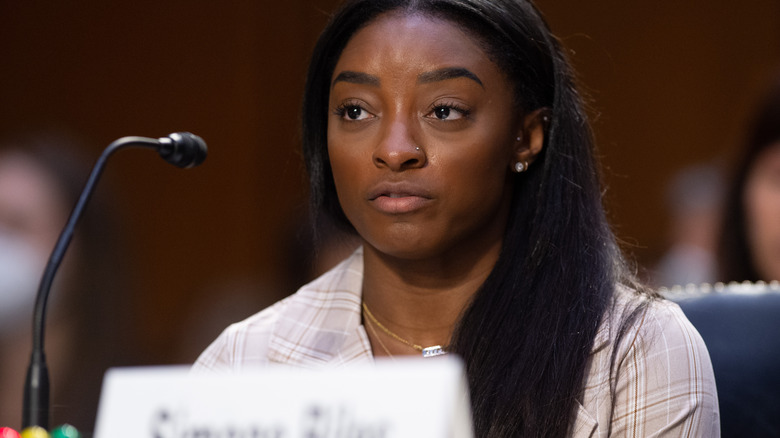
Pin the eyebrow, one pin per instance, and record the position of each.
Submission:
(356, 78)
(443, 74)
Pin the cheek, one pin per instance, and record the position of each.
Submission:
(344, 173)
(478, 174)
(348, 166)
(477, 180)
(340, 156)
(487, 157)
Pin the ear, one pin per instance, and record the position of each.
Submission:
(530, 138)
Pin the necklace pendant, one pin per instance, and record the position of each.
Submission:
(433, 351)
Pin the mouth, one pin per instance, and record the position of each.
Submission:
(399, 198)
(394, 195)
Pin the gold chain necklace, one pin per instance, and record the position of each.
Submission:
(435, 350)
(382, 344)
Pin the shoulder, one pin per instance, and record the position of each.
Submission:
(287, 324)
(650, 371)
(654, 326)
(242, 343)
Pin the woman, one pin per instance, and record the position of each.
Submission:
(449, 136)
(750, 240)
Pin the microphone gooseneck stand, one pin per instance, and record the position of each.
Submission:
(180, 149)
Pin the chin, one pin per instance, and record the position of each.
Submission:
(402, 252)
(406, 247)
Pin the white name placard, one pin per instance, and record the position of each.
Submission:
(390, 399)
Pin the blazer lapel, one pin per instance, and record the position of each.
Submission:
(321, 326)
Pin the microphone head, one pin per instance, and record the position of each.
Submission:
(183, 149)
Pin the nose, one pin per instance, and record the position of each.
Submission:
(398, 150)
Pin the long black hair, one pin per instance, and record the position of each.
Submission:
(527, 334)
(735, 258)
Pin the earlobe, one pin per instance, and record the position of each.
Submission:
(530, 140)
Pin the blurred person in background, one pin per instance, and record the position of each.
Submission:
(41, 178)
(694, 198)
(750, 242)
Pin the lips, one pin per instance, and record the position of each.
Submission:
(399, 198)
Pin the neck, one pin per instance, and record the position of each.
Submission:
(421, 300)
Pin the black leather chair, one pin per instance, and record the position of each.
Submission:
(740, 323)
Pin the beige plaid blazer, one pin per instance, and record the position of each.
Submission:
(664, 381)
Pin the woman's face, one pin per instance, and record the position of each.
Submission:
(762, 208)
(421, 136)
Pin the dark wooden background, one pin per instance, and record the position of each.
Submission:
(672, 84)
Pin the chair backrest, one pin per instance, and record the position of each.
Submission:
(740, 323)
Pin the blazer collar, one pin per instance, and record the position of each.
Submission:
(321, 324)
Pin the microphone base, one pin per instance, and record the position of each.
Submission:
(36, 394)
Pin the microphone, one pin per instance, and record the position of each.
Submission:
(182, 149)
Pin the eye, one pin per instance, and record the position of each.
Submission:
(448, 112)
(352, 112)
(442, 112)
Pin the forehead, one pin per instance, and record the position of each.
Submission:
(412, 42)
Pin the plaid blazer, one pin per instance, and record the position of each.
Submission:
(663, 380)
